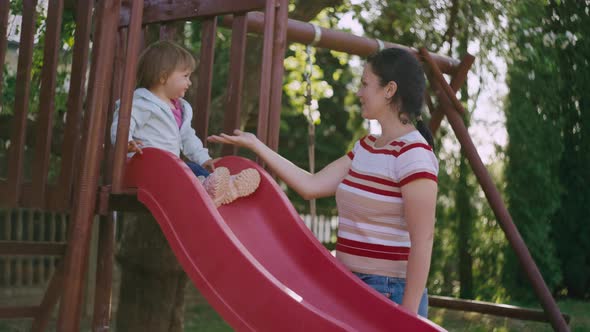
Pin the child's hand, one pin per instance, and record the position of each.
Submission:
(134, 146)
(210, 164)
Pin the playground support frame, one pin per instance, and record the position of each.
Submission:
(493, 195)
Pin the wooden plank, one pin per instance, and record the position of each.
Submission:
(235, 83)
(202, 99)
(128, 86)
(71, 141)
(265, 72)
(115, 94)
(28, 248)
(46, 102)
(21, 104)
(4, 6)
(18, 312)
(159, 11)
(278, 58)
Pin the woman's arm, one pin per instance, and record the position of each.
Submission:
(419, 210)
(309, 186)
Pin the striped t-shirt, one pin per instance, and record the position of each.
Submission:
(372, 232)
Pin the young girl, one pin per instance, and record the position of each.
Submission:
(385, 187)
(160, 118)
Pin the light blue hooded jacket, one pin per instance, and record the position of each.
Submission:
(153, 123)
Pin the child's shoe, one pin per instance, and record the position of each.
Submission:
(225, 188)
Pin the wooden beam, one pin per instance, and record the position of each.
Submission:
(71, 139)
(235, 82)
(457, 82)
(21, 105)
(90, 163)
(278, 59)
(202, 100)
(159, 11)
(495, 199)
(128, 86)
(46, 102)
(266, 72)
(18, 312)
(488, 308)
(337, 40)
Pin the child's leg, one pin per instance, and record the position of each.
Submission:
(197, 169)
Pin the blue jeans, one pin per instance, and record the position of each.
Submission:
(393, 288)
(197, 169)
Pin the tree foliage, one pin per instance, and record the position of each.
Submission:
(547, 121)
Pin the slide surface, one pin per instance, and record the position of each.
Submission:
(254, 260)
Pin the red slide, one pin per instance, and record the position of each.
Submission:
(254, 260)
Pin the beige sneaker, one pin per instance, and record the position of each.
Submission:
(225, 188)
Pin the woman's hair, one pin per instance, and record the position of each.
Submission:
(394, 64)
(159, 60)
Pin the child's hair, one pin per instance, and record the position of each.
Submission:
(159, 60)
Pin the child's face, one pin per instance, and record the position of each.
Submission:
(177, 83)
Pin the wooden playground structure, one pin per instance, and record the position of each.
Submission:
(90, 180)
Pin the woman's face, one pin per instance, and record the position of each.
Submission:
(373, 97)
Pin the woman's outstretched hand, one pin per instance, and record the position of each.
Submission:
(239, 138)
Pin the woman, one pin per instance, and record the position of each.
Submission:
(385, 187)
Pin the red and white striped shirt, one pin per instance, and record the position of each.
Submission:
(372, 232)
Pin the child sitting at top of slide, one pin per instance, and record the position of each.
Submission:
(160, 118)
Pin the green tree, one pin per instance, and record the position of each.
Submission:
(570, 23)
(535, 124)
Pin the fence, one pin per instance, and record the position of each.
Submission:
(323, 227)
(30, 225)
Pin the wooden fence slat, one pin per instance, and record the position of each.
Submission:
(18, 271)
(21, 104)
(71, 140)
(29, 236)
(46, 103)
(233, 107)
(202, 101)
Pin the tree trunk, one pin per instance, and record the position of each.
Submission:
(151, 296)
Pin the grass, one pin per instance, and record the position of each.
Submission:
(200, 317)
